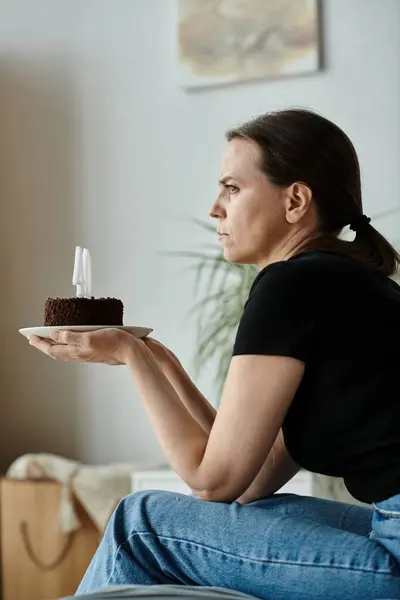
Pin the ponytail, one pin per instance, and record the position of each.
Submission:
(368, 247)
(373, 249)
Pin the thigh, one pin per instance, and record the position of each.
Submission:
(339, 515)
(386, 525)
(283, 548)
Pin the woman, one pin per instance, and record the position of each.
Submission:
(312, 383)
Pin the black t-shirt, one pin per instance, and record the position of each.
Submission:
(343, 321)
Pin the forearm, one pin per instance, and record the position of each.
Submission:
(194, 401)
(277, 470)
(181, 437)
(261, 486)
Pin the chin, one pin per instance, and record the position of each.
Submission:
(237, 258)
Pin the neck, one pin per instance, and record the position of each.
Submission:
(286, 249)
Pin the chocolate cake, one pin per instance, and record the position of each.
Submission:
(83, 311)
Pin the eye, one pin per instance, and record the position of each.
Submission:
(233, 189)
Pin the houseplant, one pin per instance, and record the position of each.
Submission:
(226, 288)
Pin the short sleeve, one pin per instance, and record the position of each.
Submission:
(279, 315)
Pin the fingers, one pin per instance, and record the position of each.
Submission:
(152, 342)
(63, 352)
(44, 345)
(152, 345)
(97, 346)
(66, 337)
(57, 351)
(34, 339)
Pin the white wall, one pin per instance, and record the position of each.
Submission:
(100, 147)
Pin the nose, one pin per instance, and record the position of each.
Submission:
(217, 211)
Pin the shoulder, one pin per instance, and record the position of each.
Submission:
(308, 274)
(283, 307)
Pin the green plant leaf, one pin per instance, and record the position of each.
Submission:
(218, 312)
(204, 225)
(220, 295)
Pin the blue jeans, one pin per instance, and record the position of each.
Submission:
(286, 547)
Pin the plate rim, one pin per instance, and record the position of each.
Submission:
(23, 330)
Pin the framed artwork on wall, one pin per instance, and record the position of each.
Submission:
(229, 41)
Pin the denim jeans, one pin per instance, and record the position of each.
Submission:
(286, 547)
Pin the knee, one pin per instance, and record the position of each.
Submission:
(140, 511)
(143, 500)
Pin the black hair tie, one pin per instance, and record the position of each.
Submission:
(360, 223)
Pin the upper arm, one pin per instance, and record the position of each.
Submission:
(257, 394)
(271, 349)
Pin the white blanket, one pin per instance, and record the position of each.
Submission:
(97, 488)
(163, 592)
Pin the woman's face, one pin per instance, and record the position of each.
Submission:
(251, 211)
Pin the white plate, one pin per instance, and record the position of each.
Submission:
(44, 332)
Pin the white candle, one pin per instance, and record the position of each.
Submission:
(77, 277)
(87, 273)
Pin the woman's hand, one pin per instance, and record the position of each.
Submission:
(106, 346)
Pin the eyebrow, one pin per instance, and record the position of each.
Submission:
(225, 180)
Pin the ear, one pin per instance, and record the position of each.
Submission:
(298, 201)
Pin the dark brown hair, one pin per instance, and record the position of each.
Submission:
(300, 145)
